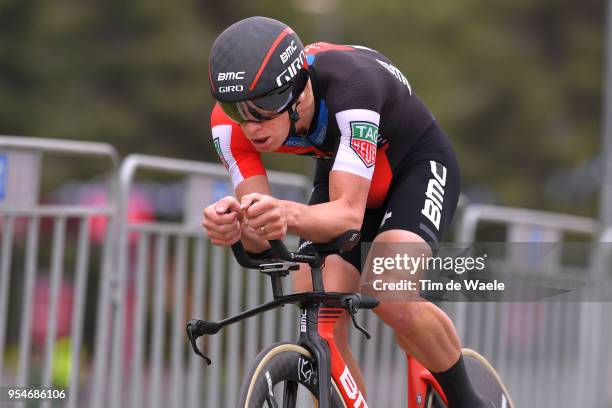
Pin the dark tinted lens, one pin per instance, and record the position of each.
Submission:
(231, 109)
(276, 101)
(243, 111)
(268, 106)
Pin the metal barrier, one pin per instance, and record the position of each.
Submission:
(186, 277)
(549, 353)
(154, 276)
(602, 258)
(23, 220)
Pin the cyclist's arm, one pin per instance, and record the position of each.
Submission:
(255, 184)
(355, 100)
(348, 194)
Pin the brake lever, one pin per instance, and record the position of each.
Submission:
(352, 310)
(194, 330)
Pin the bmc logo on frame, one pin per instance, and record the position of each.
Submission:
(351, 390)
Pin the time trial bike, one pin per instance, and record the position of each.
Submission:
(314, 361)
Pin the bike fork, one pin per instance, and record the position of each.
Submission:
(310, 338)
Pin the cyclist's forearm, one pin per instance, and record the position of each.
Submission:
(321, 222)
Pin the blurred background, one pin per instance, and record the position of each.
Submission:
(517, 85)
(103, 260)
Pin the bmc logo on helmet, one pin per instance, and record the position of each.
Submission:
(228, 76)
(288, 52)
(231, 88)
(291, 70)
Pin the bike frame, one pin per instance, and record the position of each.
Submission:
(419, 380)
(319, 314)
(317, 333)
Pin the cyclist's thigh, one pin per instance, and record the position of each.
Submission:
(424, 196)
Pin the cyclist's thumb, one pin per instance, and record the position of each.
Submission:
(227, 204)
(248, 200)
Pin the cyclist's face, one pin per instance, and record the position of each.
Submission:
(267, 135)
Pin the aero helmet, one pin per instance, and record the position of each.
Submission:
(257, 69)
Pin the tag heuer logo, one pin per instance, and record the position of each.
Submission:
(218, 149)
(363, 141)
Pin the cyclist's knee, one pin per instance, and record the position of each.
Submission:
(341, 329)
(338, 276)
(302, 282)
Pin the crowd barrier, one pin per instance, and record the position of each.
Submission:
(133, 288)
(34, 267)
(551, 353)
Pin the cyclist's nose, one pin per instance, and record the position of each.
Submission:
(251, 128)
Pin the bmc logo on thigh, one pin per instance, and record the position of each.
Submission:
(435, 194)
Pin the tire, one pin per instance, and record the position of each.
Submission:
(485, 379)
(282, 362)
(433, 399)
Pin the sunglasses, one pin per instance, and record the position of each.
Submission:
(269, 106)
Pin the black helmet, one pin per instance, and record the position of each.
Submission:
(257, 69)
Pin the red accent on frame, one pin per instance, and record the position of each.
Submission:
(418, 380)
(269, 54)
(326, 330)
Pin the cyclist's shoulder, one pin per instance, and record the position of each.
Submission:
(340, 61)
(218, 117)
(349, 76)
(227, 132)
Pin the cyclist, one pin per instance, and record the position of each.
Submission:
(377, 147)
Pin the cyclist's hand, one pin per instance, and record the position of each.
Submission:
(266, 215)
(222, 221)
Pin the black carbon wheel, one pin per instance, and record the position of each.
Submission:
(285, 363)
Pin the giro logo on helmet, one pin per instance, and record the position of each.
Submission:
(228, 76)
(231, 88)
(288, 52)
(291, 70)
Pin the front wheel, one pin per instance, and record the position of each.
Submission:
(278, 373)
(485, 379)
